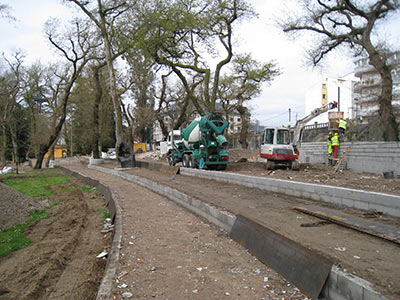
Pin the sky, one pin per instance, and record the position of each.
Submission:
(260, 37)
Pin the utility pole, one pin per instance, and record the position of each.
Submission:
(289, 116)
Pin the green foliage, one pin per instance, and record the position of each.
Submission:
(35, 184)
(13, 238)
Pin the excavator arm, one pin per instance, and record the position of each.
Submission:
(302, 122)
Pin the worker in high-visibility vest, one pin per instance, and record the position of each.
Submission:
(335, 145)
(329, 148)
(342, 126)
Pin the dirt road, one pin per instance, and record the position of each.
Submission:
(169, 253)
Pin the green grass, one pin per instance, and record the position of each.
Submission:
(35, 183)
(13, 238)
(67, 190)
(104, 211)
(87, 189)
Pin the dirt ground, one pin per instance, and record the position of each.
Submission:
(170, 253)
(368, 257)
(61, 262)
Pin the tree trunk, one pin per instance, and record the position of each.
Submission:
(387, 121)
(15, 147)
(99, 93)
(3, 147)
(45, 147)
(388, 128)
(245, 127)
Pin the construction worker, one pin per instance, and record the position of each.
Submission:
(342, 126)
(330, 148)
(335, 145)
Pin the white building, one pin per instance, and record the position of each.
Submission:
(329, 90)
(368, 88)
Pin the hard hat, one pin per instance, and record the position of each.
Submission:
(344, 118)
(330, 133)
(336, 133)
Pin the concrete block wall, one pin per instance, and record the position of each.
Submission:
(385, 203)
(371, 157)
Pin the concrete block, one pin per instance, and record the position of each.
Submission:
(348, 202)
(348, 287)
(361, 205)
(306, 195)
(315, 196)
(370, 294)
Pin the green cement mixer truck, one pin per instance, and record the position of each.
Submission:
(201, 145)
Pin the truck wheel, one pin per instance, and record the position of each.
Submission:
(170, 160)
(185, 160)
(190, 161)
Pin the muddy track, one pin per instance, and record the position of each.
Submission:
(61, 261)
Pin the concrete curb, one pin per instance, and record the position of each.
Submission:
(359, 199)
(106, 285)
(339, 285)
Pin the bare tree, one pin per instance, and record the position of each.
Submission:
(75, 46)
(243, 84)
(177, 35)
(5, 12)
(352, 24)
(104, 15)
(11, 83)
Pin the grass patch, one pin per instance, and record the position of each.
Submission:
(67, 190)
(13, 238)
(35, 183)
(104, 211)
(87, 189)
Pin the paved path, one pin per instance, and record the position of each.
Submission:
(169, 253)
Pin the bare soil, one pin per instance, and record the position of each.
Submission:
(61, 262)
(368, 257)
(169, 253)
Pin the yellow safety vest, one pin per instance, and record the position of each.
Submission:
(342, 124)
(335, 140)
(329, 144)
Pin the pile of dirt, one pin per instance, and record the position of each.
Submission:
(239, 154)
(15, 207)
(61, 261)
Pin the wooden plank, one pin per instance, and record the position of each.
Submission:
(305, 268)
(380, 230)
(341, 159)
